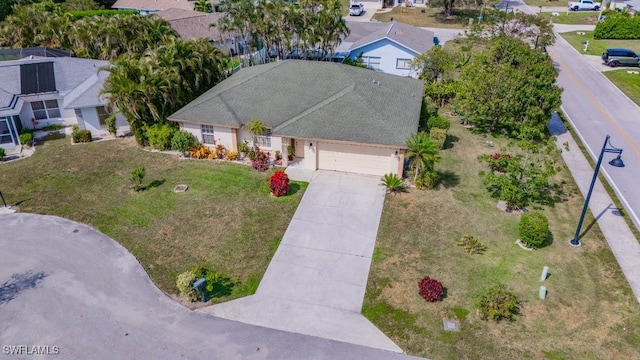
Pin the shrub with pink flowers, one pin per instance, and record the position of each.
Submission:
(430, 289)
(279, 184)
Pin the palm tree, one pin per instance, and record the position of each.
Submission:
(422, 153)
(256, 128)
(204, 6)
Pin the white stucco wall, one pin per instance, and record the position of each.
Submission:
(388, 52)
(223, 136)
(92, 122)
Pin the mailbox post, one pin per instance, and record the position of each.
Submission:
(199, 285)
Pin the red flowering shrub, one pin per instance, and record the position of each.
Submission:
(279, 184)
(430, 289)
(499, 162)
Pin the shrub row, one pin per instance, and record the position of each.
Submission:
(618, 26)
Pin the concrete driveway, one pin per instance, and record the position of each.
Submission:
(74, 292)
(370, 8)
(316, 282)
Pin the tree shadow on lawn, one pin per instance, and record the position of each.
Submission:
(295, 187)
(448, 179)
(18, 283)
(154, 183)
(448, 143)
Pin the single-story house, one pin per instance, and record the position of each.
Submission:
(192, 25)
(39, 91)
(632, 6)
(335, 116)
(147, 7)
(386, 47)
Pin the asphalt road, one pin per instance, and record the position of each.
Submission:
(70, 292)
(596, 108)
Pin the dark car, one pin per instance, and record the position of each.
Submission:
(616, 57)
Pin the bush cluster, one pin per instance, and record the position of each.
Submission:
(438, 136)
(26, 138)
(160, 136)
(533, 229)
(279, 184)
(430, 289)
(259, 160)
(80, 136)
(618, 26)
(497, 303)
(2, 153)
(216, 284)
(183, 141)
(393, 183)
(438, 122)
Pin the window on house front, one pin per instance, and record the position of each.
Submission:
(102, 116)
(403, 64)
(43, 110)
(264, 140)
(207, 134)
(372, 62)
(5, 131)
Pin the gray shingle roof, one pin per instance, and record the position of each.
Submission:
(315, 100)
(153, 5)
(88, 93)
(192, 24)
(362, 33)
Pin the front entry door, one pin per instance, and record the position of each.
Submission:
(299, 145)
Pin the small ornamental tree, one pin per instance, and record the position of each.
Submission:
(533, 229)
(137, 175)
(430, 289)
(279, 184)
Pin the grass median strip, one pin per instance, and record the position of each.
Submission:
(226, 221)
(589, 312)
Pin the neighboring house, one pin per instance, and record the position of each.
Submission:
(146, 7)
(38, 91)
(632, 6)
(386, 47)
(191, 25)
(336, 116)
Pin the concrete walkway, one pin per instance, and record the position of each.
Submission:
(621, 240)
(316, 282)
(77, 294)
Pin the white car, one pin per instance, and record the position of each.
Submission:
(356, 9)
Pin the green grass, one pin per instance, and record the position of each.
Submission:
(627, 83)
(429, 18)
(573, 17)
(226, 221)
(597, 47)
(534, 4)
(589, 301)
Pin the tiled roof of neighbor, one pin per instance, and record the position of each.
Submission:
(315, 100)
(363, 33)
(191, 24)
(153, 5)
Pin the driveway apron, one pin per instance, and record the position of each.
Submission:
(316, 281)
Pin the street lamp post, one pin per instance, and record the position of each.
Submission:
(617, 162)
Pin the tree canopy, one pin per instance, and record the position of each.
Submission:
(509, 88)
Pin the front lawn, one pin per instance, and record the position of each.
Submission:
(597, 47)
(590, 311)
(535, 4)
(627, 83)
(426, 17)
(573, 17)
(226, 220)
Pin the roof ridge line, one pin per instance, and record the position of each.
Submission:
(324, 102)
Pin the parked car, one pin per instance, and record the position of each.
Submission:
(356, 9)
(615, 57)
(584, 5)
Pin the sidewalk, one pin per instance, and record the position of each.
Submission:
(622, 242)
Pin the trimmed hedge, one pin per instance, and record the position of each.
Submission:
(160, 136)
(533, 229)
(80, 136)
(2, 153)
(438, 136)
(438, 122)
(618, 26)
(26, 138)
(79, 14)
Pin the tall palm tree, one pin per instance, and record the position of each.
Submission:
(204, 6)
(422, 153)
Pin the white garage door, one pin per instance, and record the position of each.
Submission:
(354, 158)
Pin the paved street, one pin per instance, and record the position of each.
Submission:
(596, 108)
(78, 294)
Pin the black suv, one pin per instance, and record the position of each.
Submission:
(615, 57)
